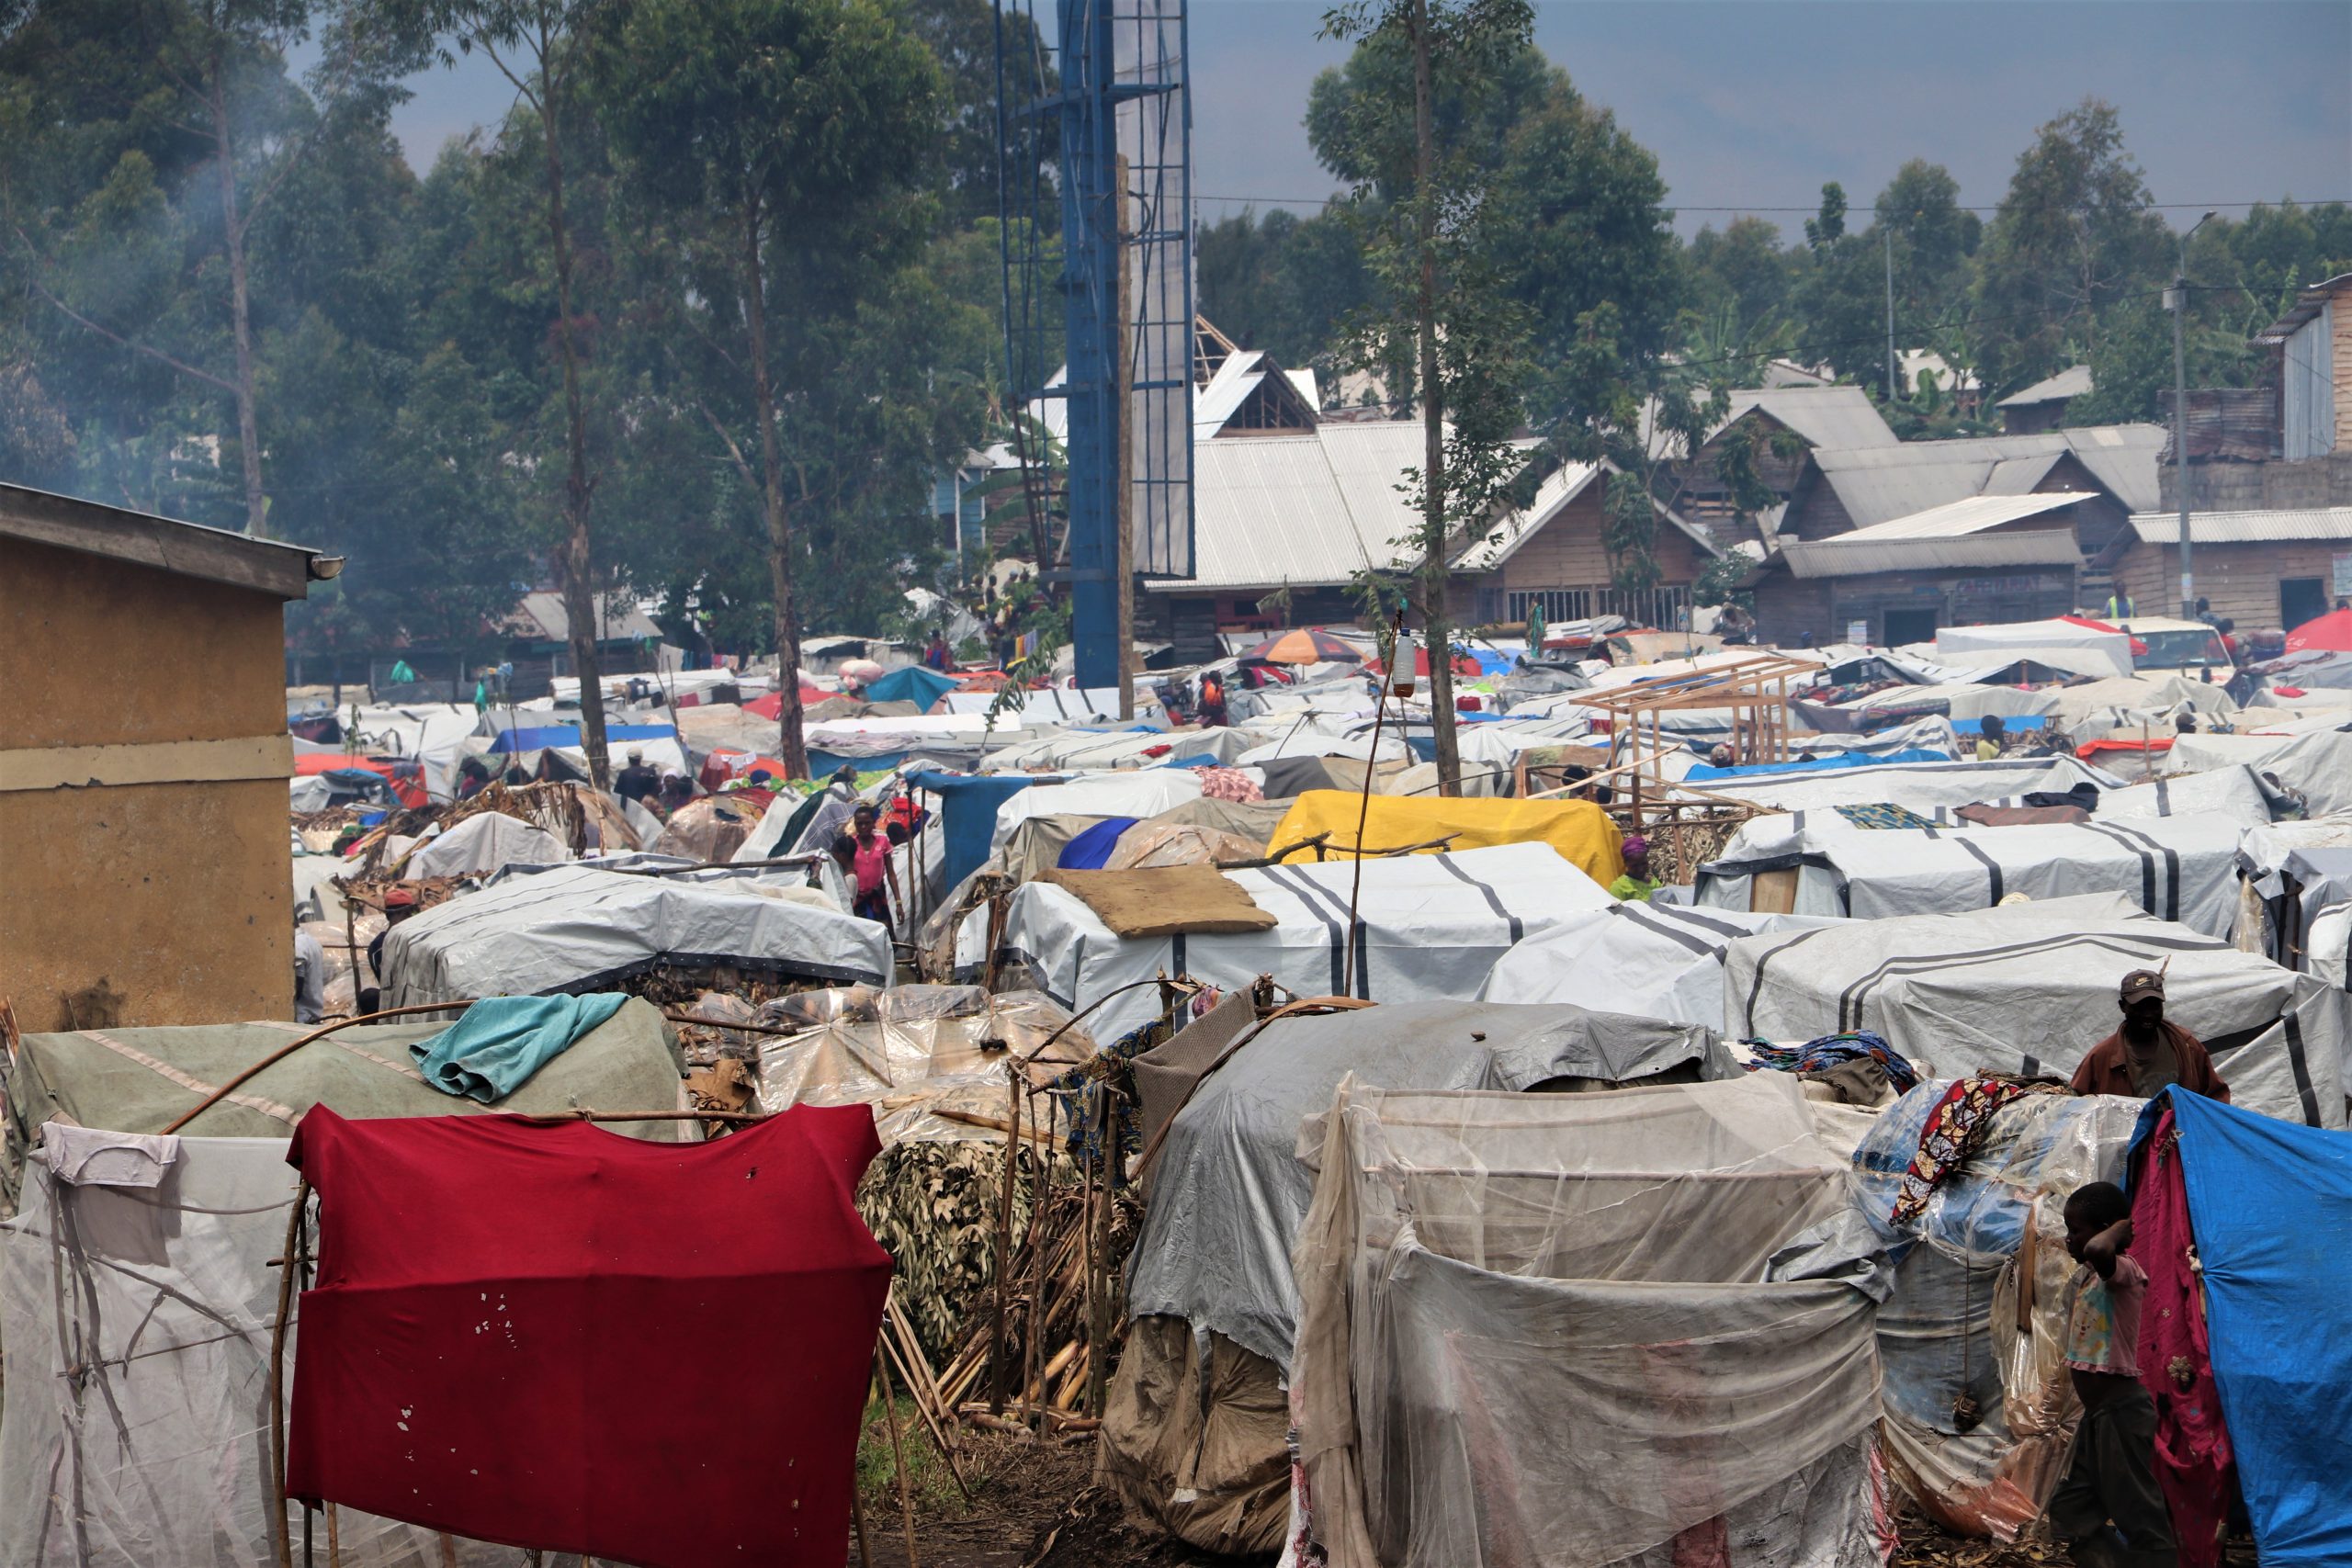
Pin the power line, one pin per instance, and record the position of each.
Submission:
(1814, 208)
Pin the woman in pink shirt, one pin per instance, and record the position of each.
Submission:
(864, 854)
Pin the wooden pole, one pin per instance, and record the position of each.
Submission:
(998, 1367)
(897, 1452)
(278, 1528)
(1098, 1369)
(1123, 549)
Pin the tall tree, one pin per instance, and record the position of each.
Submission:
(2076, 236)
(793, 146)
(1443, 322)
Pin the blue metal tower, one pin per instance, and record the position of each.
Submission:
(1106, 104)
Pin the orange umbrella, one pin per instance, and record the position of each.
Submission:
(1310, 645)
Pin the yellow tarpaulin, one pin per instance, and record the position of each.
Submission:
(1580, 830)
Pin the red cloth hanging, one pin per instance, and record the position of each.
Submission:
(543, 1333)
(2176, 1366)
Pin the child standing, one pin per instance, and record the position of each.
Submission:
(2108, 1508)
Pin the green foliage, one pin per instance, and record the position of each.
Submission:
(1282, 283)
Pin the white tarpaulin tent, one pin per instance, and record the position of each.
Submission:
(571, 928)
(2031, 987)
(2236, 792)
(1536, 1333)
(1145, 791)
(2111, 650)
(484, 842)
(2327, 946)
(137, 1301)
(1651, 960)
(2316, 766)
(1919, 786)
(2178, 868)
(1427, 927)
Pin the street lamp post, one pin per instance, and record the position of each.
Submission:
(2177, 301)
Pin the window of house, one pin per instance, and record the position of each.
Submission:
(1666, 607)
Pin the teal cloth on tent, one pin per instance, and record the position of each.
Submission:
(912, 684)
(502, 1040)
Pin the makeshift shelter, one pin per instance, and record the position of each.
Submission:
(2179, 868)
(1426, 927)
(142, 1080)
(583, 927)
(2111, 649)
(2261, 1196)
(1141, 793)
(137, 1302)
(1750, 688)
(2031, 987)
(2293, 871)
(1193, 1436)
(483, 844)
(2237, 792)
(2315, 768)
(1537, 1330)
(1581, 832)
(1651, 960)
(1919, 786)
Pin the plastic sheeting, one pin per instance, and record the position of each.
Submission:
(1921, 786)
(581, 928)
(2178, 868)
(2030, 988)
(1580, 831)
(1535, 1332)
(484, 842)
(1228, 1192)
(1143, 793)
(155, 1449)
(1653, 960)
(2272, 1206)
(1427, 927)
(2236, 792)
(2023, 639)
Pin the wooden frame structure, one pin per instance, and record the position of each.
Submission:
(1755, 687)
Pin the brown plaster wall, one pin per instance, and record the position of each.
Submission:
(1568, 551)
(152, 903)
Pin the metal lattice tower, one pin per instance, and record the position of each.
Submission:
(1104, 100)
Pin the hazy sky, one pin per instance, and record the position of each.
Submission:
(1750, 104)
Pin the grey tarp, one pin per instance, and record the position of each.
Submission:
(2294, 870)
(2237, 791)
(1426, 926)
(141, 1081)
(2176, 868)
(1921, 786)
(2315, 766)
(1651, 960)
(1536, 1332)
(136, 1322)
(570, 929)
(2031, 987)
(484, 841)
(1228, 1190)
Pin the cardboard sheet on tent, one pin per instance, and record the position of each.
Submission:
(2176, 868)
(1579, 829)
(1955, 1322)
(1496, 1285)
(2031, 987)
(1165, 901)
(1426, 926)
(1919, 786)
(583, 927)
(1651, 960)
(141, 1081)
(136, 1432)
(571, 1319)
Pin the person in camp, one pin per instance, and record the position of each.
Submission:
(2120, 606)
(637, 781)
(1213, 713)
(935, 652)
(310, 978)
(864, 854)
(1992, 737)
(2149, 1054)
(2108, 1508)
(1636, 885)
(473, 777)
(676, 790)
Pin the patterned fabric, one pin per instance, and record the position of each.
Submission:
(1880, 814)
(1954, 1127)
(1229, 784)
(2103, 1318)
(1836, 1050)
(1115, 1062)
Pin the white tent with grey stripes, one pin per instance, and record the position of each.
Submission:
(1428, 929)
(2174, 868)
(1919, 786)
(1650, 960)
(2031, 987)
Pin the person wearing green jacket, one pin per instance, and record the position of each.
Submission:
(1636, 885)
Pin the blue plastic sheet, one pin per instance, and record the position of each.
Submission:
(1093, 847)
(911, 684)
(968, 813)
(1820, 764)
(564, 735)
(2271, 1202)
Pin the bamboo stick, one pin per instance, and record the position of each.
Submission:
(899, 1457)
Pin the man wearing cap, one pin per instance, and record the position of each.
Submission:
(637, 781)
(2148, 1055)
(1636, 884)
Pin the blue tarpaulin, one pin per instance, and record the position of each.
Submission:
(2271, 1204)
(1818, 764)
(911, 684)
(567, 735)
(1094, 846)
(968, 813)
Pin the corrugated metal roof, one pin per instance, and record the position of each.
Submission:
(1837, 558)
(1307, 509)
(1960, 518)
(1876, 484)
(1563, 486)
(617, 617)
(1842, 417)
(2074, 381)
(2245, 527)
(1228, 389)
(2307, 305)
